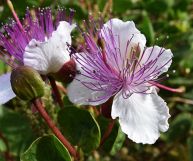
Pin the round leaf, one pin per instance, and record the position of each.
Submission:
(46, 148)
(80, 128)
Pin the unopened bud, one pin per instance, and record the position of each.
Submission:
(27, 83)
(67, 73)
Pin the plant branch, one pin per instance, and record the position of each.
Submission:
(53, 127)
(56, 92)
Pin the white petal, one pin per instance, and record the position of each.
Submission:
(125, 30)
(162, 58)
(80, 94)
(63, 32)
(141, 117)
(6, 92)
(86, 89)
(122, 33)
(49, 56)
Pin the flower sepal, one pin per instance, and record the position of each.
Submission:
(67, 73)
(27, 83)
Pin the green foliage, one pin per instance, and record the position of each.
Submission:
(2, 158)
(46, 148)
(80, 127)
(16, 129)
(121, 6)
(3, 147)
(147, 28)
(116, 138)
(190, 148)
(180, 128)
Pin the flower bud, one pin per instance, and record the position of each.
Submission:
(67, 73)
(27, 83)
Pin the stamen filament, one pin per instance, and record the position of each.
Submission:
(177, 90)
(9, 3)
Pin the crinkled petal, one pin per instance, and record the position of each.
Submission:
(6, 92)
(63, 32)
(141, 117)
(82, 95)
(49, 56)
(120, 39)
(156, 61)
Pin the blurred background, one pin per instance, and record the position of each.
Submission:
(167, 23)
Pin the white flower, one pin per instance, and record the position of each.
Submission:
(37, 45)
(127, 71)
(49, 56)
(6, 92)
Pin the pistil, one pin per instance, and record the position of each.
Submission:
(177, 90)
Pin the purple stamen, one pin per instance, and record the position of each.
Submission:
(110, 68)
(38, 26)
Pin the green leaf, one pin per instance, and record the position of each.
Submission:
(121, 6)
(46, 148)
(184, 107)
(190, 148)
(182, 5)
(147, 28)
(115, 140)
(33, 3)
(80, 128)
(3, 147)
(179, 128)
(2, 157)
(118, 143)
(16, 128)
(67, 101)
(157, 6)
(101, 4)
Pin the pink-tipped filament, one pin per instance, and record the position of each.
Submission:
(175, 90)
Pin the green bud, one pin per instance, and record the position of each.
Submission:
(27, 83)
